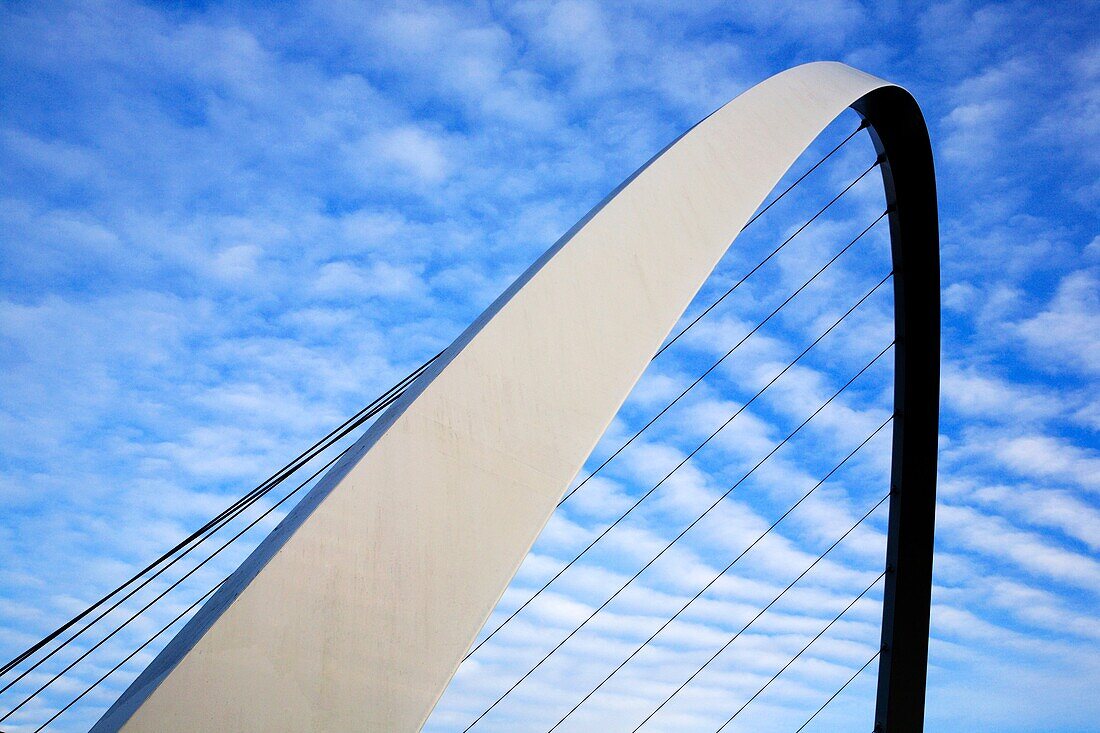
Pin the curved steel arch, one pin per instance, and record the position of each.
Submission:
(356, 611)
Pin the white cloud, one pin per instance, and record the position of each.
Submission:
(415, 152)
(1051, 457)
(1067, 332)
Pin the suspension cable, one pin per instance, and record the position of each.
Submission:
(761, 612)
(773, 253)
(149, 580)
(786, 241)
(801, 651)
(721, 359)
(719, 575)
(170, 588)
(680, 465)
(842, 688)
(223, 517)
(604, 604)
(862, 126)
(224, 522)
(130, 656)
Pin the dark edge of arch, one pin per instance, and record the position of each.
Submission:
(900, 136)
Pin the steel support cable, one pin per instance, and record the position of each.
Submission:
(773, 253)
(130, 656)
(721, 359)
(171, 587)
(802, 651)
(741, 480)
(862, 126)
(667, 476)
(233, 510)
(761, 612)
(223, 522)
(719, 575)
(842, 688)
(133, 591)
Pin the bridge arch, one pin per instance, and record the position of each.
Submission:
(356, 611)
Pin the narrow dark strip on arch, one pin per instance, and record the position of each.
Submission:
(901, 138)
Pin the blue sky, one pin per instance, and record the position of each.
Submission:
(225, 227)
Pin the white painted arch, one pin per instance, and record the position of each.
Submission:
(355, 613)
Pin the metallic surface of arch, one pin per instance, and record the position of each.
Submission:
(356, 611)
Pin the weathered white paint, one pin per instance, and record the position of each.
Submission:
(355, 613)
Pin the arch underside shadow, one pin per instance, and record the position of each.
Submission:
(356, 611)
